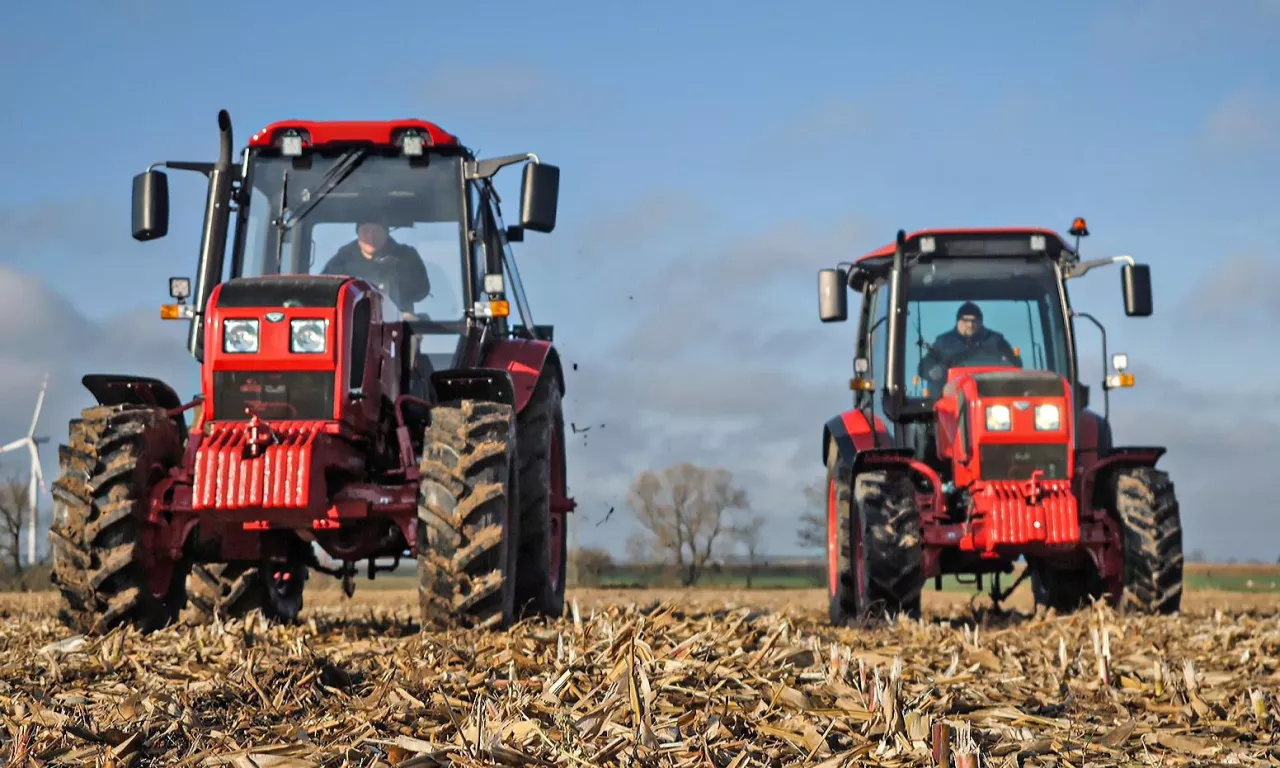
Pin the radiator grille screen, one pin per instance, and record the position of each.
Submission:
(304, 395)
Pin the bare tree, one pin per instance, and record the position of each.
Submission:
(683, 509)
(812, 533)
(639, 549)
(13, 514)
(748, 535)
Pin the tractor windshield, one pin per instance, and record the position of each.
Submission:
(979, 312)
(392, 220)
(400, 226)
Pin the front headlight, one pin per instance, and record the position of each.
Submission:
(240, 336)
(307, 336)
(999, 419)
(1048, 418)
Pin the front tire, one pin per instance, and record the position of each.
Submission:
(468, 528)
(105, 564)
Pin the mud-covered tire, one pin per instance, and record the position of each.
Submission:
(1146, 509)
(114, 457)
(889, 545)
(234, 590)
(468, 525)
(842, 601)
(538, 588)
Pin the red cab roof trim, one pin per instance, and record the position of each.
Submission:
(340, 131)
(887, 250)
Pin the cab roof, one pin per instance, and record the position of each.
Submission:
(318, 133)
(965, 233)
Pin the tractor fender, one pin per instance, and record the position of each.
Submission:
(852, 434)
(1125, 457)
(857, 448)
(524, 360)
(121, 389)
(489, 384)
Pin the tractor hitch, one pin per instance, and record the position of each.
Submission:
(261, 434)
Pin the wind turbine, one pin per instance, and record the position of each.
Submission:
(37, 476)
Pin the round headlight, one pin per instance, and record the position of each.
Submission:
(307, 336)
(240, 336)
(1048, 418)
(999, 419)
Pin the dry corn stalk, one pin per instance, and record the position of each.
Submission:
(966, 749)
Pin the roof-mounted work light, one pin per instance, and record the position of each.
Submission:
(412, 144)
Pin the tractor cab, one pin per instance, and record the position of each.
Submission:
(305, 191)
(398, 222)
(400, 205)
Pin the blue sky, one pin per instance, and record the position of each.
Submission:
(714, 156)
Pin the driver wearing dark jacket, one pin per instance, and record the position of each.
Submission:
(395, 268)
(969, 343)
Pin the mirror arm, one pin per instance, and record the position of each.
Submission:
(184, 165)
(484, 169)
(1079, 269)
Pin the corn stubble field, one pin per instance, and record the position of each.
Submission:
(655, 677)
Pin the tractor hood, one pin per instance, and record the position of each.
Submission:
(1006, 424)
(303, 291)
(1008, 382)
(273, 348)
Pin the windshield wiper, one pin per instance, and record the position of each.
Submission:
(281, 226)
(331, 179)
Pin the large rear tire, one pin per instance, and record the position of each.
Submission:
(887, 541)
(468, 527)
(100, 536)
(1150, 522)
(543, 547)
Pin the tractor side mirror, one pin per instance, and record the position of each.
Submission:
(1135, 281)
(539, 197)
(150, 205)
(833, 297)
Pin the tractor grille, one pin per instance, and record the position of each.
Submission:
(1017, 462)
(305, 395)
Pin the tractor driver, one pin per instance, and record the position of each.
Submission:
(395, 268)
(968, 343)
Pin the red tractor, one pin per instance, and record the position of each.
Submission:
(338, 411)
(970, 444)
